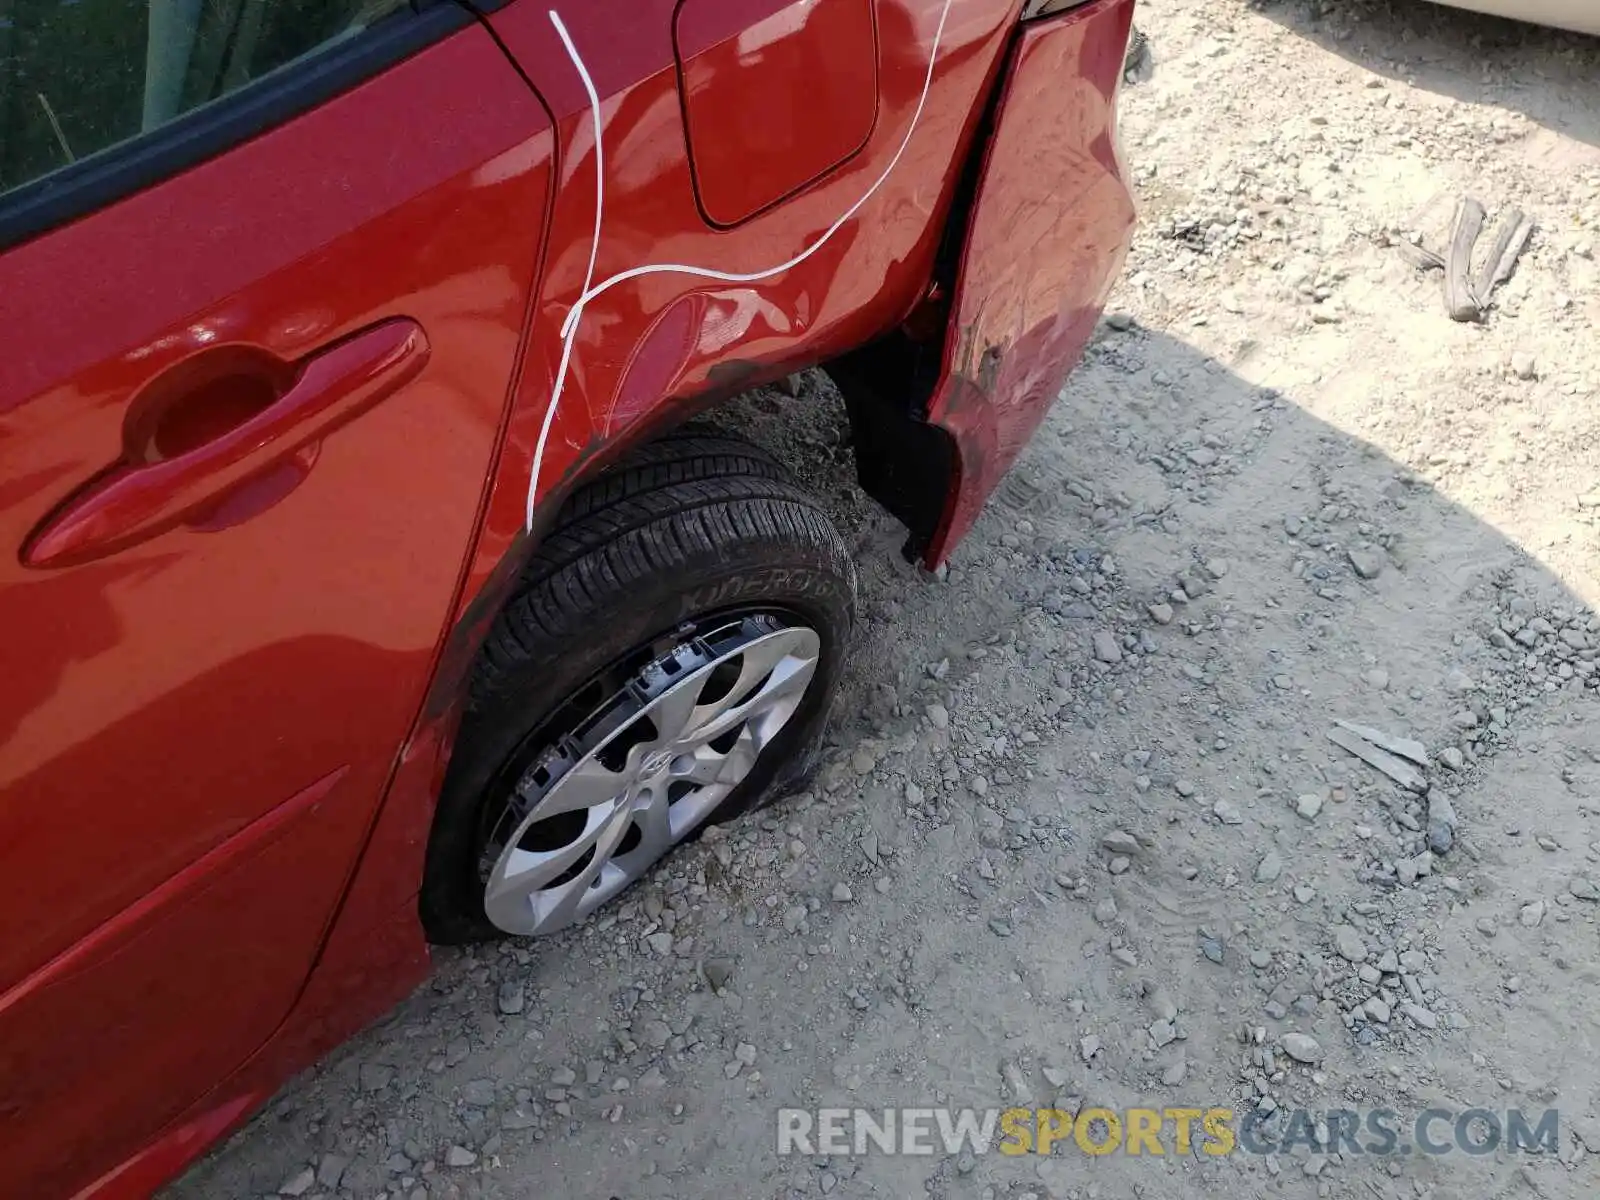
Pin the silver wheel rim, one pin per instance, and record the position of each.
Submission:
(597, 809)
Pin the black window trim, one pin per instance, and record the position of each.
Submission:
(120, 170)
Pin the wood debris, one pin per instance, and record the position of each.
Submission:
(1404, 747)
(1467, 295)
(1406, 774)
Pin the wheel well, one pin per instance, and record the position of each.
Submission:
(907, 465)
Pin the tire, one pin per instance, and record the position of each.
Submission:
(690, 563)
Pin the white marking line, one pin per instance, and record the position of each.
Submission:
(569, 327)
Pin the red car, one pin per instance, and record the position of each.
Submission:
(377, 572)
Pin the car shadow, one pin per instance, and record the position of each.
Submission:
(1549, 75)
(1160, 466)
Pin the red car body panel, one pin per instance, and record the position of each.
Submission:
(810, 68)
(1046, 241)
(673, 337)
(221, 756)
(204, 718)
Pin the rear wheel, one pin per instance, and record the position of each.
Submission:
(667, 663)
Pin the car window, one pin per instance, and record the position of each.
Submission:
(78, 77)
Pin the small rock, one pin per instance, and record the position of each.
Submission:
(842, 893)
(869, 845)
(1105, 911)
(1121, 842)
(1161, 613)
(1452, 758)
(479, 1093)
(1174, 1074)
(375, 1076)
(511, 998)
(1420, 1015)
(1309, 805)
(1524, 365)
(717, 972)
(1531, 914)
(1583, 888)
(1227, 813)
(459, 1156)
(1269, 868)
(1302, 1047)
(1089, 1047)
(661, 943)
(1350, 944)
(1441, 822)
(299, 1183)
(517, 1120)
(1106, 647)
(1367, 563)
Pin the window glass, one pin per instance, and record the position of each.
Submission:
(79, 76)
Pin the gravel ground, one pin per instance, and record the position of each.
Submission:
(1082, 838)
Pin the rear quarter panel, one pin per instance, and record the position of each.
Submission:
(1046, 239)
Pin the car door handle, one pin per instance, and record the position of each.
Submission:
(136, 499)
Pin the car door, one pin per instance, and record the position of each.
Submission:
(264, 272)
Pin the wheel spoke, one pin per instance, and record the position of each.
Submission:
(526, 871)
(675, 710)
(586, 785)
(787, 682)
(559, 907)
(653, 817)
(736, 763)
(702, 765)
(520, 888)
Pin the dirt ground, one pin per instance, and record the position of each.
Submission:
(1082, 838)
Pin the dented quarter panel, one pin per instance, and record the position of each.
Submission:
(1047, 236)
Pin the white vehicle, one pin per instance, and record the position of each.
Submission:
(1581, 15)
